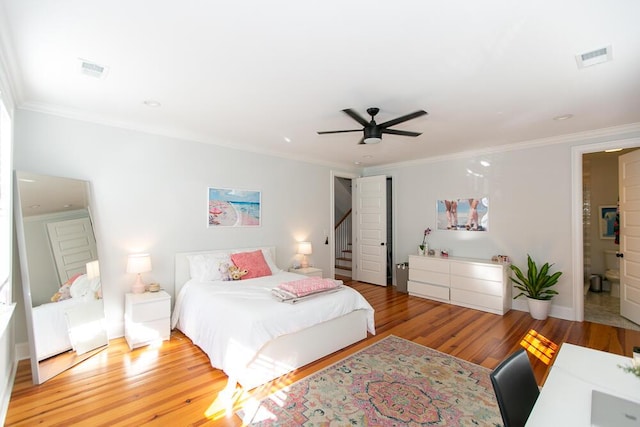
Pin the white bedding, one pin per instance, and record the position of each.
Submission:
(232, 321)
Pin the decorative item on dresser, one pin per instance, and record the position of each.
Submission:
(308, 271)
(147, 318)
(468, 282)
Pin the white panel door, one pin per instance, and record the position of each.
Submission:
(371, 229)
(73, 245)
(629, 181)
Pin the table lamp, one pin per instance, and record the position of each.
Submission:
(304, 249)
(138, 263)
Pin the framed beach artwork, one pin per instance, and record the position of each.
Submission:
(471, 214)
(607, 216)
(233, 208)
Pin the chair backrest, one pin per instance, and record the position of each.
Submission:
(516, 389)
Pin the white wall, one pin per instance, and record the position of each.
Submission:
(151, 195)
(530, 205)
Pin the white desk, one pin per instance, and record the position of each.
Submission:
(565, 398)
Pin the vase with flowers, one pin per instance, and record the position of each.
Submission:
(423, 248)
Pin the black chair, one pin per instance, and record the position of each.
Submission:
(516, 388)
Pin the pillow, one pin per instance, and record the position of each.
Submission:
(272, 265)
(254, 262)
(80, 287)
(208, 267)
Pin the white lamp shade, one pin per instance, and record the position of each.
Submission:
(138, 263)
(304, 248)
(93, 269)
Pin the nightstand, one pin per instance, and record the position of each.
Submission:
(147, 318)
(307, 271)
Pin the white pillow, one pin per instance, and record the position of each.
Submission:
(80, 287)
(208, 267)
(272, 265)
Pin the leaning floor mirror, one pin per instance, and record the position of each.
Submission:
(60, 272)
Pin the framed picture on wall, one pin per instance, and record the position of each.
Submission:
(470, 214)
(233, 208)
(607, 219)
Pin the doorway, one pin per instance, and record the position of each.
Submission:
(600, 195)
(581, 274)
(344, 254)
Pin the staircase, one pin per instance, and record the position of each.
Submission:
(343, 246)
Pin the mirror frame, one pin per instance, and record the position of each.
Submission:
(40, 371)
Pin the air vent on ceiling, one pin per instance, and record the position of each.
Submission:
(594, 57)
(91, 69)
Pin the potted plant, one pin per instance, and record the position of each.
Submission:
(537, 286)
(424, 247)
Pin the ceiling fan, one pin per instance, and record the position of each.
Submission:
(372, 132)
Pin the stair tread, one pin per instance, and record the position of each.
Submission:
(343, 258)
(342, 267)
(347, 251)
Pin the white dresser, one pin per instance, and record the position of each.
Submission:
(480, 284)
(147, 318)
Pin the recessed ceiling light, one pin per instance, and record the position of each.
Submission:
(357, 163)
(485, 163)
(26, 180)
(67, 206)
(367, 156)
(151, 103)
(613, 150)
(563, 117)
(287, 139)
(34, 206)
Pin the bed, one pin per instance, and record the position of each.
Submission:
(253, 337)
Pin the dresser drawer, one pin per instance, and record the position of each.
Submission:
(488, 287)
(429, 263)
(146, 311)
(483, 302)
(432, 277)
(440, 293)
(477, 270)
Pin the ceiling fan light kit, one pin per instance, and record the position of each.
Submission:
(372, 132)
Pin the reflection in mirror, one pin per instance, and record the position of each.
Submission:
(60, 272)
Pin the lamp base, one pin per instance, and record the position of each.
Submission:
(138, 287)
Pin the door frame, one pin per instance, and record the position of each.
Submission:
(332, 221)
(577, 238)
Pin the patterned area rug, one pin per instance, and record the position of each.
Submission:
(393, 382)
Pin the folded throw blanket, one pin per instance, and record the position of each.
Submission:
(310, 285)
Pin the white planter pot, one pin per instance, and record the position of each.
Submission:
(539, 308)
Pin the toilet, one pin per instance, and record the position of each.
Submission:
(612, 272)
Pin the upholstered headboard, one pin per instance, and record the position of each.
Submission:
(182, 274)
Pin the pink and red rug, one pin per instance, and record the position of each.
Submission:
(393, 382)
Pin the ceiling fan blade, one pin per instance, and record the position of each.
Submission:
(355, 116)
(361, 141)
(338, 131)
(401, 132)
(402, 119)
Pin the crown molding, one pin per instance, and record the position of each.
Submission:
(626, 131)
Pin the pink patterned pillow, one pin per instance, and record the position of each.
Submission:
(254, 262)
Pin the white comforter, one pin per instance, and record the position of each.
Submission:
(232, 321)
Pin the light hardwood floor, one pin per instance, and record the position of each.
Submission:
(174, 384)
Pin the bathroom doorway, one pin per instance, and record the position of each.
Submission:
(600, 196)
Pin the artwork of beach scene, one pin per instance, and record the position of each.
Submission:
(470, 214)
(233, 208)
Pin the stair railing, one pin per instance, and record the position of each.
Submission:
(343, 235)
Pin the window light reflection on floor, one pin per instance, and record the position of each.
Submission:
(539, 345)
